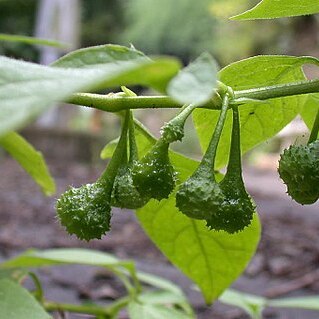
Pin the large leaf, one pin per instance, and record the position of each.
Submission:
(267, 9)
(27, 89)
(17, 303)
(213, 260)
(30, 159)
(196, 83)
(259, 120)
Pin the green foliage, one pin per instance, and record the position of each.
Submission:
(40, 86)
(16, 302)
(254, 305)
(259, 120)
(167, 32)
(31, 160)
(158, 297)
(269, 90)
(267, 9)
(196, 83)
(299, 169)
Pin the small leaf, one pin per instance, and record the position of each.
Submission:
(252, 304)
(17, 303)
(196, 83)
(32, 40)
(138, 310)
(30, 159)
(267, 9)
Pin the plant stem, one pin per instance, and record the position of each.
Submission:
(108, 311)
(114, 103)
(234, 161)
(314, 132)
(208, 160)
(279, 90)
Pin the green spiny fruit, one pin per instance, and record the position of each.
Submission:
(200, 196)
(86, 211)
(125, 194)
(299, 169)
(154, 175)
(174, 130)
(236, 210)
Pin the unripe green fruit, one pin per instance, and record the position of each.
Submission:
(154, 175)
(199, 197)
(236, 210)
(85, 211)
(299, 169)
(125, 194)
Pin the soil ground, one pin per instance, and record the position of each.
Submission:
(286, 263)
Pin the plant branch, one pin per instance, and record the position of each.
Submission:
(108, 311)
(116, 103)
(279, 90)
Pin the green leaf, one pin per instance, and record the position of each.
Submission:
(259, 121)
(31, 40)
(213, 260)
(138, 310)
(252, 304)
(27, 89)
(196, 83)
(310, 110)
(38, 258)
(13, 274)
(17, 303)
(30, 159)
(310, 303)
(267, 9)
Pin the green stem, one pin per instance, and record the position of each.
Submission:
(314, 132)
(208, 160)
(234, 161)
(279, 90)
(108, 311)
(115, 103)
(132, 140)
(110, 172)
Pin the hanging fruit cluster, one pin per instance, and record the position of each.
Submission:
(130, 182)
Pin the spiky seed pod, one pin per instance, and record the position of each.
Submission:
(154, 176)
(85, 211)
(299, 169)
(125, 194)
(236, 210)
(200, 195)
